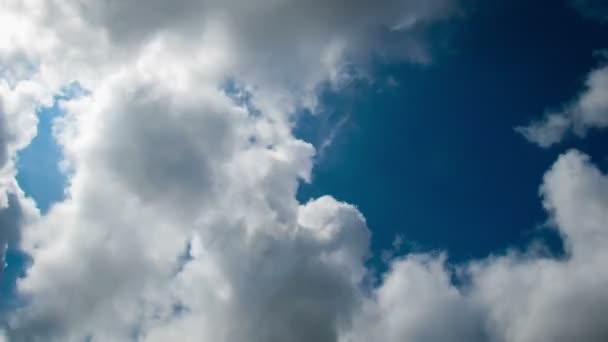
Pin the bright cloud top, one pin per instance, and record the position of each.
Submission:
(589, 110)
(181, 220)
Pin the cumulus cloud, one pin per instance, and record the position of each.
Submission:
(180, 220)
(589, 110)
(18, 102)
(418, 302)
(517, 297)
(536, 299)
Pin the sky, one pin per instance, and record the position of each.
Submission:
(443, 137)
(332, 171)
(38, 170)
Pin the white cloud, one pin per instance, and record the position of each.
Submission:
(536, 299)
(547, 132)
(19, 100)
(518, 297)
(181, 220)
(417, 302)
(589, 110)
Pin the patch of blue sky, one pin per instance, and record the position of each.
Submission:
(38, 171)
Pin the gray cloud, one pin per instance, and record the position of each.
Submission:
(10, 221)
(3, 136)
(10, 212)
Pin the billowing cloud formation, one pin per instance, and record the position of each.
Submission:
(181, 220)
(535, 299)
(18, 103)
(589, 110)
(519, 297)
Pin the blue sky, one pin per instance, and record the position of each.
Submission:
(39, 174)
(436, 158)
(185, 215)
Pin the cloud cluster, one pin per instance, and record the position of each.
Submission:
(518, 297)
(18, 103)
(589, 110)
(537, 299)
(180, 220)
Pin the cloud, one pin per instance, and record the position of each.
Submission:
(291, 44)
(180, 219)
(10, 221)
(4, 136)
(17, 212)
(537, 299)
(416, 301)
(547, 132)
(588, 111)
(18, 101)
(517, 297)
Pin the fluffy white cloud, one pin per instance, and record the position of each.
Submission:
(589, 110)
(518, 297)
(19, 100)
(537, 299)
(180, 220)
(418, 302)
